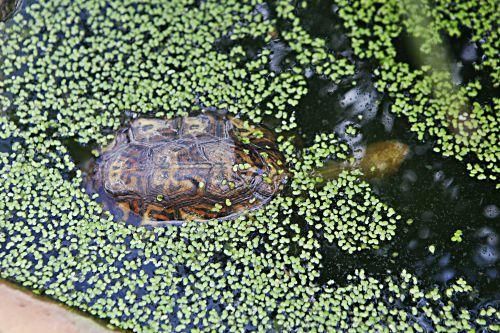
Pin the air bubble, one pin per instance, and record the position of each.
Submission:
(446, 275)
(486, 255)
(469, 53)
(491, 211)
(438, 176)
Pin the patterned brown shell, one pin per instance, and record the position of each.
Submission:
(191, 168)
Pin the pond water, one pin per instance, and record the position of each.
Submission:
(435, 194)
(449, 226)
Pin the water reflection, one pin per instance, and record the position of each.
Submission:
(9, 8)
(434, 192)
(487, 251)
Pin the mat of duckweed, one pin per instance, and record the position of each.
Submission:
(73, 72)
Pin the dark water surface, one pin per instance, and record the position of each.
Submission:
(433, 192)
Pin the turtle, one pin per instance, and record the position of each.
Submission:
(8, 8)
(193, 168)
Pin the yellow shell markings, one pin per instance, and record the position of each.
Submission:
(381, 159)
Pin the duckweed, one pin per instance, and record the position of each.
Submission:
(452, 113)
(343, 210)
(80, 69)
(457, 236)
(220, 275)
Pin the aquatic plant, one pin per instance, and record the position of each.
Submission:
(79, 69)
(257, 272)
(344, 210)
(450, 110)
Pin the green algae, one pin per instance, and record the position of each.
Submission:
(79, 70)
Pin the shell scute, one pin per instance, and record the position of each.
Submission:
(154, 130)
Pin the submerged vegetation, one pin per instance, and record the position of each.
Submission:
(78, 70)
(8, 8)
(438, 104)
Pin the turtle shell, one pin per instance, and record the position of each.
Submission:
(188, 168)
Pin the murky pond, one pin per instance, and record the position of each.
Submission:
(392, 199)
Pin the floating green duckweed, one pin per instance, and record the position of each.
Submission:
(257, 272)
(99, 60)
(456, 116)
(457, 236)
(360, 302)
(311, 52)
(343, 210)
(351, 214)
(79, 69)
